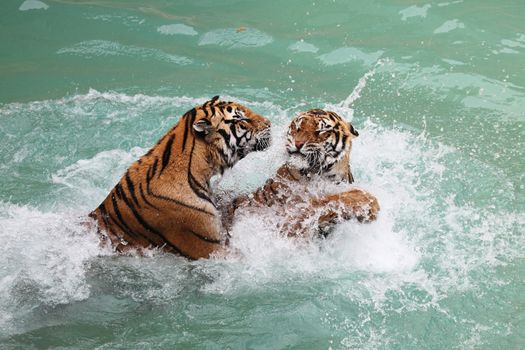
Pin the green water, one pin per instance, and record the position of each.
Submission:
(436, 90)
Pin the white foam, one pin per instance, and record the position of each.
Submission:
(507, 50)
(83, 104)
(425, 239)
(412, 232)
(449, 26)
(414, 11)
(350, 54)
(178, 28)
(453, 62)
(93, 178)
(375, 248)
(129, 21)
(303, 46)
(43, 254)
(442, 4)
(235, 38)
(512, 43)
(356, 93)
(33, 5)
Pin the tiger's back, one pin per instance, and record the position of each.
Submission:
(164, 199)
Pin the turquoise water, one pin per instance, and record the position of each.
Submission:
(436, 90)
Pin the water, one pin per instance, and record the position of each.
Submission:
(436, 91)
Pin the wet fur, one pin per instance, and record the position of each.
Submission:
(164, 199)
(322, 141)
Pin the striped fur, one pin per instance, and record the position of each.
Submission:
(323, 141)
(164, 199)
(319, 144)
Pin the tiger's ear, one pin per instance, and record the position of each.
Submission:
(214, 99)
(352, 130)
(202, 126)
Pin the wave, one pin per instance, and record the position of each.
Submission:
(433, 237)
(103, 48)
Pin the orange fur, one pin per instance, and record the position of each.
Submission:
(319, 144)
(164, 199)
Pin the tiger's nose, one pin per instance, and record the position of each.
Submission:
(299, 144)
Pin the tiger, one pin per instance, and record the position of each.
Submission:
(318, 146)
(164, 199)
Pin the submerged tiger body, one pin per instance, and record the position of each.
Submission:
(318, 144)
(164, 199)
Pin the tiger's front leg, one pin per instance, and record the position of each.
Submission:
(355, 203)
(323, 213)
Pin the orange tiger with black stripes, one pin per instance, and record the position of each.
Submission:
(318, 144)
(164, 199)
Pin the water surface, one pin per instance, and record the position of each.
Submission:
(435, 89)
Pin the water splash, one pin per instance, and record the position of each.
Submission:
(356, 93)
(426, 245)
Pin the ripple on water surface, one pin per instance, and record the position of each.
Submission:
(236, 38)
(101, 48)
(426, 247)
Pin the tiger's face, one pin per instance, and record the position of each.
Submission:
(318, 140)
(232, 128)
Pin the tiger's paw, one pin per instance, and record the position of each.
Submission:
(360, 205)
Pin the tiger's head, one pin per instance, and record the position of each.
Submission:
(231, 128)
(319, 142)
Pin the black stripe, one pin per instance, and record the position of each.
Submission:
(337, 137)
(224, 157)
(104, 214)
(148, 176)
(167, 153)
(122, 229)
(154, 169)
(344, 140)
(131, 189)
(204, 238)
(328, 167)
(197, 188)
(126, 229)
(350, 177)
(189, 118)
(141, 190)
(118, 189)
(233, 130)
(127, 201)
(151, 229)
(225, 136)
(205, 110)
(169, 199)
(335, 116)
(172, 200)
